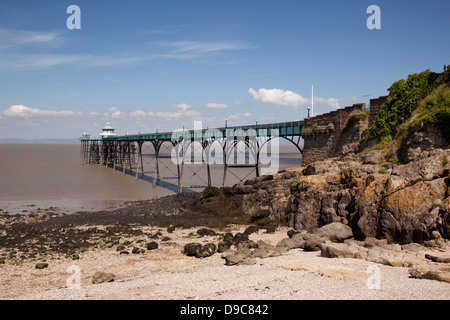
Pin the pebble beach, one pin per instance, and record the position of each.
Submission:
(165, 272)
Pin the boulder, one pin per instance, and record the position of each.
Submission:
(222, 246)
(206, 250)
(41, 265)
(338, 250)
(206, 232)
(431, 272)
(190, 249)
(313, 242)
(101, 277)
(290, 243)
(336, 232)
(152, 245)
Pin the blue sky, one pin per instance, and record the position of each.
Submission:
(144, 65)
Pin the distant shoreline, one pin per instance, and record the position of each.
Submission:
(39, 141)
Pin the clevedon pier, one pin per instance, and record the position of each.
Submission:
(190, 155)
(200, 157)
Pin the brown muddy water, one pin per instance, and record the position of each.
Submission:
(51, 176)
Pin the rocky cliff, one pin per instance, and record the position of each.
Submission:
(402, 203)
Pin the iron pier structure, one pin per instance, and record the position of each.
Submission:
(164, 156)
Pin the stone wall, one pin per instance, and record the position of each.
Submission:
(375, 105)
(338, 132)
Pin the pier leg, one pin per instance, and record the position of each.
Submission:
(224, 165)
(139, 159)
(156, 146)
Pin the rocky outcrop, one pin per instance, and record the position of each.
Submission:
(401, 203)
(413, 256)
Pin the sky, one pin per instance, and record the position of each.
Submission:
(144, 65)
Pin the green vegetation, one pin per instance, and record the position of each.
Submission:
(359, 114)
(435, 109)
(393, 161)
(418, 180)
(383, 170)
(427, 91)
(444, 160)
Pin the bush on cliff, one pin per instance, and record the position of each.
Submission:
(427, 90)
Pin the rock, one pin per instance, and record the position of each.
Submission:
(408, 215)
(437, 259)
(120, 248)
(240, 237)
(431, 272)
(227, 252)
(370, 242)
(41, 265)
(137, 250)
(313, 242)
(336, 232)
(251, 229)
(228, 237)
(152, 245)
(191, 248)
(290, 233)
(338, 250)
(171, 229)
(290, 243)
(101, 277)
(232, 259)
(206, 232)
(239, 259)
(259, 215)
(435, 235)
(205, 251)
(222, 246)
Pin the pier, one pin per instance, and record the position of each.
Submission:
(198, 149)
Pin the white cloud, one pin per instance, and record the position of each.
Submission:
(137, 113)
(217, 105)
(237, 116)
(118, 114)
(93, 114)
(182, 107)
(27, 112)
(17, 38)
(332, 102)
(289, 98)
(279, 97)
(184, 111)
(194, 49)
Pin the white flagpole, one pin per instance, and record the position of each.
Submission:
(312, 101)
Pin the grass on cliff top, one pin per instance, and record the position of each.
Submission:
(435, 110)
(427, 91)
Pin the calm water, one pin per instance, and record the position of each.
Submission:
(50, 175)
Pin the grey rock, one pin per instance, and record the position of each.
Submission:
(313, 242)
(101, 277)
(152, 245)
(205, 251)
(338, 250)
(290, 243)
(336, 232)
(41, 265)
(191, 248)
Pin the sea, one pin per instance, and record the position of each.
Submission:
(34, 176)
